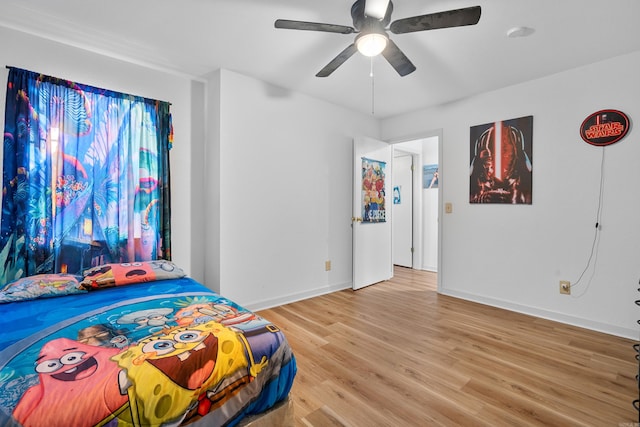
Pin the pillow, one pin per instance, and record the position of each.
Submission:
(109, 275)
(40, 286)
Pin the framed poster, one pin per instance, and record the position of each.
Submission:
(373, 188)
(430, 176)
(501, 166)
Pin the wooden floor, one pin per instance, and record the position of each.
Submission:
(398, 354)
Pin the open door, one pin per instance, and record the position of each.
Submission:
(402, 221)
(371, 220)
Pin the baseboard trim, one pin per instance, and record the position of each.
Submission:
(546, 314)
(298, 296)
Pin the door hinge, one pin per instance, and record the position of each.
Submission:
(411, 250)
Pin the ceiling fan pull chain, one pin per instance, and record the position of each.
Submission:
(372, 87)
(371, 69)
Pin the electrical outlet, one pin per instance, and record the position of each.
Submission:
(327, 265)
(565, 287)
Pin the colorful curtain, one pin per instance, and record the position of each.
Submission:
(86, 177)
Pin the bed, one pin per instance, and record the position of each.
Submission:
(152, 349)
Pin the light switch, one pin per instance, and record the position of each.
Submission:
(448, 207)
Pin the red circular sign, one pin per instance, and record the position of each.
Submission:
(604, 127)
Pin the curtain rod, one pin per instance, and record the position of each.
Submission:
(137, 96)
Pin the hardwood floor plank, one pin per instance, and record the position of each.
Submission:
(324, 416)
(398, 354)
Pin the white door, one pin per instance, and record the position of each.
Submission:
(402, 220)
(371, 220)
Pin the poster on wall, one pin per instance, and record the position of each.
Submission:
(396, 194)
(373, 197)
(430, 176)
(501, 166)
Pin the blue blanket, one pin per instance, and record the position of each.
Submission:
(168, 352)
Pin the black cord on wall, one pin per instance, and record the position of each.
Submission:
(596, 241)
(591, 262)
(636, 403)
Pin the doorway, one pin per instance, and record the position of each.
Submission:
(402, 215)
(415, 228)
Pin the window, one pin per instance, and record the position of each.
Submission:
(86, 177)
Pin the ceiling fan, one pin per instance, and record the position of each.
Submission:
(370, 20)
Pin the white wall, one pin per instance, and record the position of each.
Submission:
(198, 169)
(430, 208)
(285, 191)
(36, 54)
(211, 158)
(514, 256)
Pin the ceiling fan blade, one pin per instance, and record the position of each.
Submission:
(434, 21)
(337, 61)
(313, 26)
(398, 59)
(376, 8)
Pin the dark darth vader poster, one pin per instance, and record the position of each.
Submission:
(501, 162)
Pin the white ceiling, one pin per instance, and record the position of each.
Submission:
(195, 37)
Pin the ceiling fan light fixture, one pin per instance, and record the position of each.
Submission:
(371, 44)
(372, 31)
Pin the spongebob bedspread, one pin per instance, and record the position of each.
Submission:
(169, 352)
